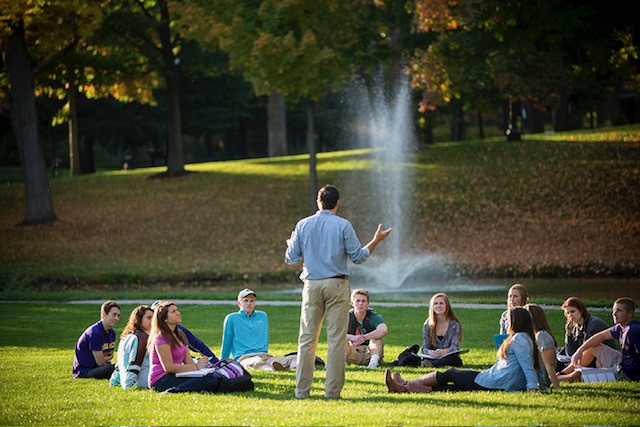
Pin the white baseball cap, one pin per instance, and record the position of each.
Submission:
(243, 293)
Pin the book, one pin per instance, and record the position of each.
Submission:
(426, 356)
(498, 338)
(597, 375)
(563, 358)
(199, 373)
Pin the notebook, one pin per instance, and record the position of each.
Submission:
(498, 338)
(597, 375)
(426, 356)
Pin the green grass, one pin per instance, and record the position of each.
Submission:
(36, 386)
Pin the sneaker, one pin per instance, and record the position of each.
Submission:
(372, 365)
(277, 366)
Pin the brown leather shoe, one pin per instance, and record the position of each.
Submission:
(393, 386)
(398, 379)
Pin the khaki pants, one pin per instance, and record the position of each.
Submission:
(326, 298)
(264, 361)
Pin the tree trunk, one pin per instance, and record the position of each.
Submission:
(480, 125)
(175, 154)
(277, 125)
(561, 122)
(24, 120)
(74, 145)
(311, 144)
(535, 120)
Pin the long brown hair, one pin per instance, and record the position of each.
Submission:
(432, 320)
(539, 319)
(135, 319)
(159, 326)
(519, 321)
(524, 295)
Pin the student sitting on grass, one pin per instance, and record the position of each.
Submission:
(366, 329)
(441, 333)
(580, 327)
(546, 345)
(245, 335)
(169, 355)
(132, 365)
(515, 369)
(624, 363)
(195, 344)
(516, 297)
(94, 349)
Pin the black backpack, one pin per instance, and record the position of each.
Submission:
(408, 357)
(233, 377)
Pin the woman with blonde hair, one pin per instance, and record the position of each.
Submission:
(132, 365)
(515, 369)
(516, 297)
(169, 355)
(546, 345)
(441, 333)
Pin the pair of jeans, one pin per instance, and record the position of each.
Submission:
(326, 298)
(100, 373)
(172, 384)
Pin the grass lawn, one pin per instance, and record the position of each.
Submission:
(36, 386)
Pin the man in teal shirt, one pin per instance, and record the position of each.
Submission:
(245, 336)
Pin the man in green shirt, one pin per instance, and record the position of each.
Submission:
(365, 332)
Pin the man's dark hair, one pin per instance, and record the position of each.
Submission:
(108, 305)
(627, 303)
(328, 196)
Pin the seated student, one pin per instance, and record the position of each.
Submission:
(132, 365)
(195, 344)
(580, 326)
(94, 349)
(515, 369)
(546, 346)
(366, 329)
(441, 333)
(169, 355)
(245, 335)
(624, 363)
(516, 297)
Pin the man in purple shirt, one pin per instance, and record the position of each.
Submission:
(626, 362)
(325, 242)
(95, 347)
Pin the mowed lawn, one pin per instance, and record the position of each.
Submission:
(36, 386)
(565, 204)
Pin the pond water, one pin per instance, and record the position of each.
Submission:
(607, 289)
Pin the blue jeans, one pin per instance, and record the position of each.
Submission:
(172, 384)
(100, 373)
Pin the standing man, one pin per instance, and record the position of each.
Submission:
(95, 347)
(626, 362)
(366, 329)
(325, 242)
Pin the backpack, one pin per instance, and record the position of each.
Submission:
(408, 357)
(232, 375)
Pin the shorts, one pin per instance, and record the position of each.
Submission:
(611, 358)
(360, 355)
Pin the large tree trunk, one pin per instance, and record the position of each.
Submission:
(39, 207)
(277, 125)
(311, 145)
(74, 144)
(561, 122)
(175, 154)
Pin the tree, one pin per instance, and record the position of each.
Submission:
(38, 33)
(297, 49)
(150, 28)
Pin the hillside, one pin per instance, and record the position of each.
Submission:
(565, 205)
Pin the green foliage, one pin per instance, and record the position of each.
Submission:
(36, 386)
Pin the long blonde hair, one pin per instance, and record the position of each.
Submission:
(159, 326)
(432, 320)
